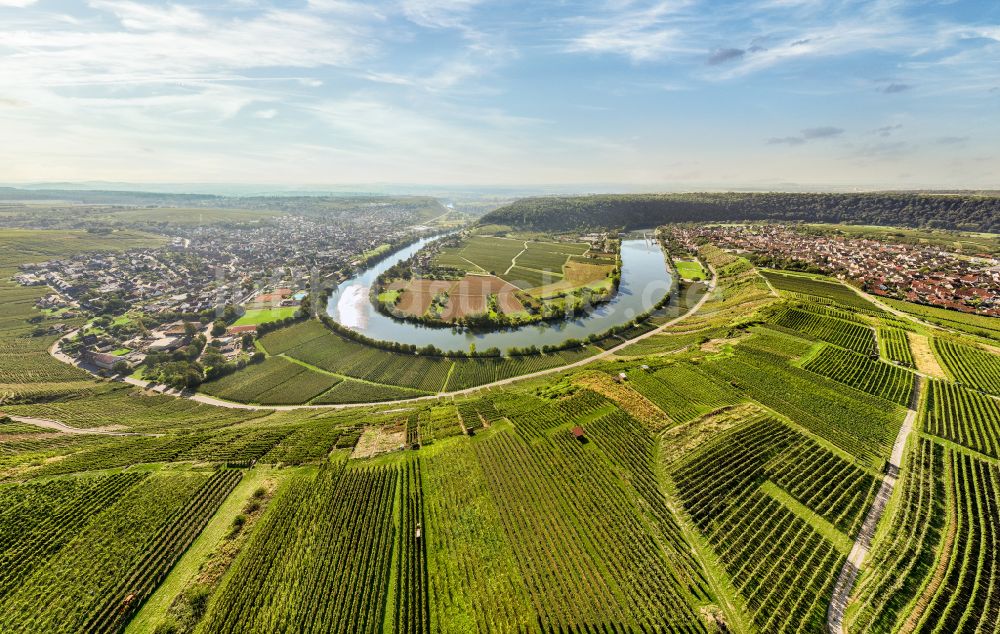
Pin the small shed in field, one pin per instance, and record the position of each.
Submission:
(578, 433)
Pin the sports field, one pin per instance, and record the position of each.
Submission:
(256, 316)
(690, 270)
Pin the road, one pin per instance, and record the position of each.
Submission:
(852, 567)
(208, 400)
(67, 429)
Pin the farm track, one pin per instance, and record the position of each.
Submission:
(208, 400)
(852, 567)
(67, 429)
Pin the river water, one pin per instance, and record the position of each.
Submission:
(644, 282)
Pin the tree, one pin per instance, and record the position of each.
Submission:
(218, 328)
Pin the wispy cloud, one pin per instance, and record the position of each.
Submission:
(723, 55)
(822, 132)
(895, 88)
(806, 135)
(888, 130)
(641, 33)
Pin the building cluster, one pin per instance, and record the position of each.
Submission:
(209, 266)
(922, 274)
(199, 271)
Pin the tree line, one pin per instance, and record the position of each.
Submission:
(632, 211)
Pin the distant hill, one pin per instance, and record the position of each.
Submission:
(630, 211)
(423, 206)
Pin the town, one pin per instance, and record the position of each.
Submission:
(220, 280)
(916, 273)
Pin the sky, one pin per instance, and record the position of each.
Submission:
(614, 93)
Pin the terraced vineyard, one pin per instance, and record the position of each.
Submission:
(863, 373)
(862, 425)
(846, 334)
(780, 557)
(826, 290)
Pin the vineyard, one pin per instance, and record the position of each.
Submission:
(274, 381)
(978, 325)
(110, 557)
(860, 424)
(682, 392)
(134, 411)
(863, 373)
(325, 570)
(964, 417)
(382, 375)
(832, 291)
(905, 555)
(960, 597)
(894, 345)
(969, 365)
(781, 560)
(840, 332)
(558, 505)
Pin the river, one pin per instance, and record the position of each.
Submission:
(644, 282)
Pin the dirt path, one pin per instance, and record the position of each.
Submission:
(513, 260)
(208, 400)
(67, 429)
(852, 567)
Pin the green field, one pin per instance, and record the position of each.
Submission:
(255, 316)
(690, 270)
(512, 259)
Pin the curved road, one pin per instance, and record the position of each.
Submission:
(67, 429)
(208, 400)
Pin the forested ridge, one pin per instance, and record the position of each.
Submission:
(630, 211)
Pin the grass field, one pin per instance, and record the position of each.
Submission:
(690, 270)
(255, 316)
(487, 254)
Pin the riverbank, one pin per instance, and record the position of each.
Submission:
(644, 283)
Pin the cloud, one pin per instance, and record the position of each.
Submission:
(439, 14)
(786, 140)
(822, 132)
(641, 34)
(951, 140)
(808, 134)
(894, 88)
(887, 130)
(269, 113)
(723, 55)
(17, 4)
(144, 17)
